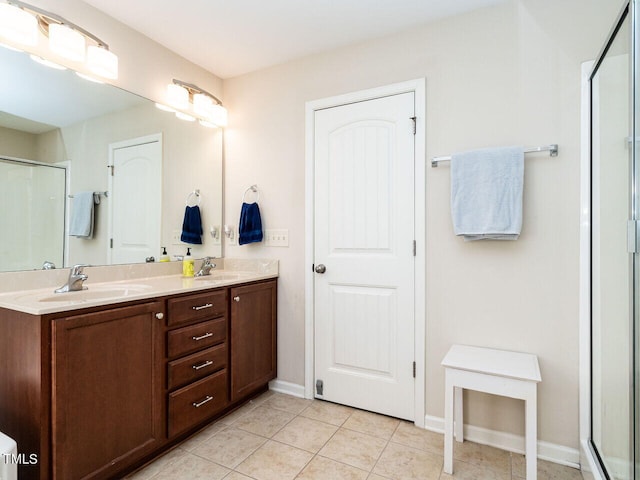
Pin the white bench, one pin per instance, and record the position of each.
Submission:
(510, 374)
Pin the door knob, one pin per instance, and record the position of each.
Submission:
(236, 298)
(321, 268)
(159, 315)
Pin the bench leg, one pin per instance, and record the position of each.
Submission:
(448, 425)
(531, 434)
(458, 414)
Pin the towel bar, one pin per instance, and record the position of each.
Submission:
(104, 194)
(552, 149)
(254, 189)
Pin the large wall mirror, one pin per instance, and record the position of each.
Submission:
(61, 134)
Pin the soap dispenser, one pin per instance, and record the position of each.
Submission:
(188, 264)
(164, 257)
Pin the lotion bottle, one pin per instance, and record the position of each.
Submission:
(188, 264)
(164, 257)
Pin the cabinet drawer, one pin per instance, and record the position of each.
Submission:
(195, 366)
(197, 307)
(196, 337)
(197, 402)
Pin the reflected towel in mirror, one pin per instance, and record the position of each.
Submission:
(192, 226)
(82, 215)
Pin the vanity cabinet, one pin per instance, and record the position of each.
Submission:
(96, 392)
(107, 390)
(253, 337)
(197, 356)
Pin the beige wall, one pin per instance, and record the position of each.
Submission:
(18, 144)
(499, 76)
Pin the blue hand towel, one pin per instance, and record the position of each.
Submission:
(82, 215)
(250, 228)
(486, 193)
(192, 226)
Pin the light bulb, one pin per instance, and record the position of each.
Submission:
(66, 42)
(102, 62)
(17, 25)
(177, 96)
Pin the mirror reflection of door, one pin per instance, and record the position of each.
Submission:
(611, 262)
(135, 199)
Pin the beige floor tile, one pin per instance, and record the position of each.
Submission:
(288, 403)
(321, 468)
(275, 461)
(327, 412)
(400, 462)
(305, 433)
(587, 475)
(237, 476)
(372, 424)
(375, 476)
(354, 448)
(468, 471)
(264, 421)
(546, 470)
(229, 447)
(408, 434)
(154, 468)
(202, 436)
(232, 417)
(191, 467)
(482, 455)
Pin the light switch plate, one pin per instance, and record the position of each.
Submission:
(230, 233)
(276, 237)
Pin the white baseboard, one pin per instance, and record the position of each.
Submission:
(513, 443)
(281, 386)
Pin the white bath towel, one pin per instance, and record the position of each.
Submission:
(82, 215)
(486, 193)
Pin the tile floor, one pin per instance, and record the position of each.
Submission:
(280, 437)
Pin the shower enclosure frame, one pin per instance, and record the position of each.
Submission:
(590, 458)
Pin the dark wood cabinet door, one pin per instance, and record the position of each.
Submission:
(253, 337)
(107, 390)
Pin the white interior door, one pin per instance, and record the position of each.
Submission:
(364, 241)
(136, 200)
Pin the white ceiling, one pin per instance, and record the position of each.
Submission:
(233, 37)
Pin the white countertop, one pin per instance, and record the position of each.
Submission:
(43, 300)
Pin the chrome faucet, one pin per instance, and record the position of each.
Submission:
(76, 277)
(205, 268)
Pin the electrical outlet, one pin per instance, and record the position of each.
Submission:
(230, 233)
(276, 238)
(216, 234)
(175, 237)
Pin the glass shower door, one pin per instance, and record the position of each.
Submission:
(613, 233)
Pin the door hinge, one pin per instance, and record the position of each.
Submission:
(112, 167)
(414, 119)
(111, 243)
(414, 248)
(313, 267)
(632, 236)
(319, 387)
(414, 369)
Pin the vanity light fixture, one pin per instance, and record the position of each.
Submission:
(19, 23)
(190, 102)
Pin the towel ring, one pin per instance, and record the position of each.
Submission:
(195, 193)
(254, 189)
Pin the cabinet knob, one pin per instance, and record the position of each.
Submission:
(236, 298)
(159, 315)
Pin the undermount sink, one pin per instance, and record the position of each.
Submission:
(96, 292)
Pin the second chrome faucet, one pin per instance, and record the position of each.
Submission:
(76, 278)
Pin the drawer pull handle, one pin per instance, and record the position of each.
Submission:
(201, 337)
(208, 398)
(202, 365)
(159, 315)
(236, 298)
(202, 307)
